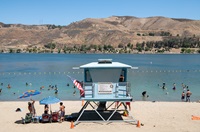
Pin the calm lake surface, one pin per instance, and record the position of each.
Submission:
(52, 69)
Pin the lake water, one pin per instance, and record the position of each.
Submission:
(52, 69)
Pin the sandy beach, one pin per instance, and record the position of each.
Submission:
(156, 117)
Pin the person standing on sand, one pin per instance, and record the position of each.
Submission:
(62, 112)
(129, 105)
(188, 94)
(31, 107)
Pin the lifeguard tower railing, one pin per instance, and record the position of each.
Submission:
(111, 91)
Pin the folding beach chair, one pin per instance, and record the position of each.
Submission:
(55, 117)
(46, 118)
(28, 118)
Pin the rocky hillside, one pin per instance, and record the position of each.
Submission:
(113, 30)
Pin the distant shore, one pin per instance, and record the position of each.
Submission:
(115, 51)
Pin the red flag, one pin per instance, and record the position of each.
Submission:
(78, 84)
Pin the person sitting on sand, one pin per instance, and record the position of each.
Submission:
(46, 109)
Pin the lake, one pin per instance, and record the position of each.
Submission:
(46, 70)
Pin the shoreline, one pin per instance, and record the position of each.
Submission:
(156, 117)
(147, 53)
(198, 101)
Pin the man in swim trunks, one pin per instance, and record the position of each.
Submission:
(188, 94)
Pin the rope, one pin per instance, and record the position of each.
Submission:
(78, 72)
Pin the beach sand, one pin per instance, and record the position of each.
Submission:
(156, 117)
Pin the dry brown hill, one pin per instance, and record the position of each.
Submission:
(113, 30)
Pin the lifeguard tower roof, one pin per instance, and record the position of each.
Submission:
(105, 63)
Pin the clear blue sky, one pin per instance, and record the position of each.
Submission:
(64, 12)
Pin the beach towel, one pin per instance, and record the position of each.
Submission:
(195, 117)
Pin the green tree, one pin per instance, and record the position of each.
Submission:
(138, 34)
(11, 51)
(35, 50)
(198, 51)
(151, 34)
(100, 48)
(183, 50)
(50, 46)
(120, 46)
(18, 51)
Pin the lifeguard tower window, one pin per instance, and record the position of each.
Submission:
(87, 76)
(122, 76)
(105, 75)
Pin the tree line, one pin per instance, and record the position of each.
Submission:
(169, 43)
(183, 43)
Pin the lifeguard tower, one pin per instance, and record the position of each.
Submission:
(105, 81)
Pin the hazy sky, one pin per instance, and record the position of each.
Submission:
(64, 12)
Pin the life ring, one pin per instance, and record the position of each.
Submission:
(111, 86)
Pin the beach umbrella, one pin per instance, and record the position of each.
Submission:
(29, 93)
(49, 100)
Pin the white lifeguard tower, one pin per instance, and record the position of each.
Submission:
(105, 81)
